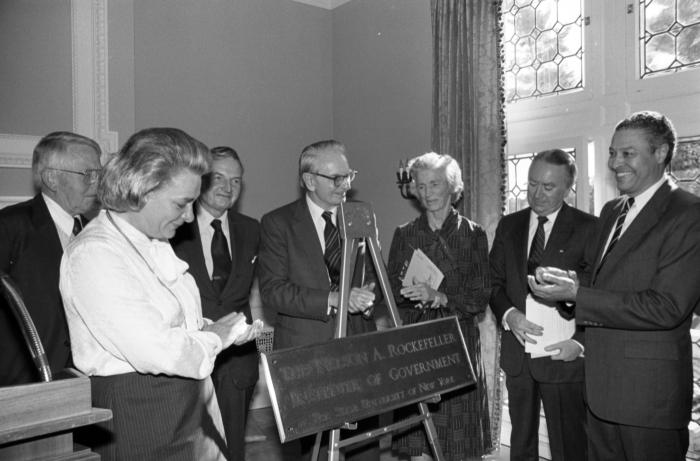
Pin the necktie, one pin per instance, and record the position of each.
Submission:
(220, 257)
(537, 246)
(77, 224)
(332, 254)
(618, 227)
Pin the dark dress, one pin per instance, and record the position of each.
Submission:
(460, 250)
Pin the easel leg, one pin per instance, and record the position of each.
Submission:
(317, 447)
(431, 432)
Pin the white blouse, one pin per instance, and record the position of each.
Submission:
(124, 316)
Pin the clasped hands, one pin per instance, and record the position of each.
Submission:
(360, 301)
(233, 329)
(423, 293)
(554, 284)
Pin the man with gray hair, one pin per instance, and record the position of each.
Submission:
(299, 273)
(66, 168)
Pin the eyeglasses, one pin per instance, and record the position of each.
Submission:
(89, 176)
(339, 179)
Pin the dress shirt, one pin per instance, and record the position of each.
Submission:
(551, 218)
(62, 220)
(124, 316)
(206, 233)
(319, 222)
(640, 202)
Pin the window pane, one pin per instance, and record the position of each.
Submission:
(685, 166)
(543, 51)
(670, 35)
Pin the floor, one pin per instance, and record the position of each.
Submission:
(263, 444)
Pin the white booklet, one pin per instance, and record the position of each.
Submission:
(422, 269)
(556, 328)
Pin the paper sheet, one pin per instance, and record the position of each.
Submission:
(422, 269)
(556, 327)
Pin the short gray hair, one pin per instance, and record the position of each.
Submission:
(52, 146)
(435, 161)
(310, 153)
(147, 161)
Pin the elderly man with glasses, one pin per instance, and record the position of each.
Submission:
(299, 264)
(66, 169)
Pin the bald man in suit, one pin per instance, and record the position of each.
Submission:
(638, 307)
(295, 279)
(66, 169)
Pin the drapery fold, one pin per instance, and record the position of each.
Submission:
(468, 123)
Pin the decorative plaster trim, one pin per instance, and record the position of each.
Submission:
(90, 72)
(326, 4)
(90, 86)
(16, 150)
(7, 200)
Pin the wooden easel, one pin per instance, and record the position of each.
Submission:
(357, 224)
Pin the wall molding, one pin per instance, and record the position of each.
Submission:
(89, 49)
(326, 4)
(7, 200)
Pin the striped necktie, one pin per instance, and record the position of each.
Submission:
(537, 246)
(618, 227)
(332, 254)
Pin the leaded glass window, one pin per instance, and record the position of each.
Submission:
(670, 35)
(542, 47)
(516, 192)
(685, 165)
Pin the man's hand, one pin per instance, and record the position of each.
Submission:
(361, 299)
(569, 350)
(522, 327)
(233, 329)
(554, 284)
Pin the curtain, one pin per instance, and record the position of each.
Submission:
(468, 123)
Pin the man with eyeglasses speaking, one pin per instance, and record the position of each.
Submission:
(66, 169)
(299, 263)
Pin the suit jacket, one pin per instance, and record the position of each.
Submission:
(30, 252)
(294, 279)
(638, 311)
(565, 248)
(240, 362)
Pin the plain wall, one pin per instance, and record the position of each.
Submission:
(252, 74)
(35, 77)
(382, 96)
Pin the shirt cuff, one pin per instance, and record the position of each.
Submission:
(503, 320)
(583, 349)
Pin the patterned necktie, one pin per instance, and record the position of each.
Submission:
(77, 224)
(332, 254)
(537, 246)
(618, 227)
(220, 257)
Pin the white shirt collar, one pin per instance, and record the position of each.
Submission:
(551, 217)
(317, 211)
(63, 221)
(642, 199)
(204, 219)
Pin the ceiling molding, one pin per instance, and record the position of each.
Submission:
(325, 4)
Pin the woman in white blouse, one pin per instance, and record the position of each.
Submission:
(134, 312)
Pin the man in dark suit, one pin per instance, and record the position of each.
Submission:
(221, 247)
(556, 380)
(298, 277)
(637, 310)
(66, 168)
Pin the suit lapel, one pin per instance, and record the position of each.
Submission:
(559, 236)
(520, 234)
(307, 237)
(44, 225)
(192, 248)
(641, 226)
